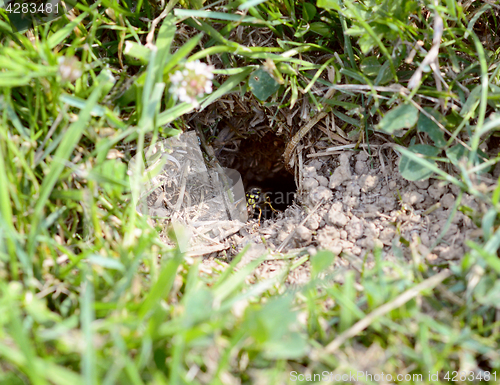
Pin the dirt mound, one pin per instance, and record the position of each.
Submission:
(353, 203)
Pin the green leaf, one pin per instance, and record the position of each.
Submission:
(403, 116)
(308, 11)
(329, 4)
(456, 153)
(321, 29)
(413, 171)
(426, 125)
(370, 66)
(262, 84)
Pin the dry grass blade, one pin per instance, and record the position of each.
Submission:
(432, 56)
(299, 135)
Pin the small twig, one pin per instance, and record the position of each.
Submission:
(206, 250)
(432, 56)
(149, 38)
(399, 301)
(333, 150)
(299, 135)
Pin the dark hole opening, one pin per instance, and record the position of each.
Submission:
(259, 160)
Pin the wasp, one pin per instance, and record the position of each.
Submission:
(257, 201)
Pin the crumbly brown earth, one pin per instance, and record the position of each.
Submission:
(353, 205)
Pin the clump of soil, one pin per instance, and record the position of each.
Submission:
(351, 204)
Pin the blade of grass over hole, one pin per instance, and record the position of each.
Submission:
(63, 152)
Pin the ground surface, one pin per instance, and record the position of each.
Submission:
(351, 204)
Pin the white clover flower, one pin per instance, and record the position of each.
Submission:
(195, 80)
(69, 68)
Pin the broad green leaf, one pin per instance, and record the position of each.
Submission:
(321, 29)
(403, 116)
(329, 4)
(262, 84)
(308, 11)
(370, 66)
(456, 153)
(426, 125)
(413, 171)
(469, 108)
